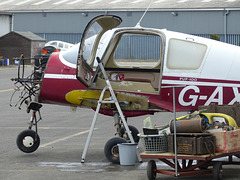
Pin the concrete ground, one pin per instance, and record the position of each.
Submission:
(63, 135)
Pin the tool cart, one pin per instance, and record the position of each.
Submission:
(188, 150)
(188, 165)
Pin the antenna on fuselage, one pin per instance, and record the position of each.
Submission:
(138, 24)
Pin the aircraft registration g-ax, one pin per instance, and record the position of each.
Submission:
(142, 64)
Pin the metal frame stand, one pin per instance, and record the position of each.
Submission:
(175, 135)
(174, 128)
(101, 101)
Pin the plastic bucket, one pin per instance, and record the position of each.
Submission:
(127, 153)
(16, 62)
(6, 62)
(2, 62)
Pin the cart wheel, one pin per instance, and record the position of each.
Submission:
(134, 131)
(111, 149)
(217, 171)
(28, 141)
(151, 170)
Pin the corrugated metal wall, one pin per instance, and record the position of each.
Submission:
(76, 37)
(68, 26)
(73, 38)
(230, 38)
(233, 39)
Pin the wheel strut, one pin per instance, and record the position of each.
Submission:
(117, 124)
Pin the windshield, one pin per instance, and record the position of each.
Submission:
(71, 54)
(103, 43)
(90, 40)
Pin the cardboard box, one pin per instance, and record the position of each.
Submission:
(227, 141)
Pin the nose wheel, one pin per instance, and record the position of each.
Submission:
(28, 141)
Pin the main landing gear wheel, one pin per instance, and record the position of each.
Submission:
(217, 171)
(111, 149)
(151, 170)
(28, 141)
(134, 131)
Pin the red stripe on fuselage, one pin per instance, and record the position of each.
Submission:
(196, 79)
(53, 90)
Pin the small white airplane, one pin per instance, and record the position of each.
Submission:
(141, 63)
(56, 46)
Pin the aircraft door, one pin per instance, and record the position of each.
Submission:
(89, 44)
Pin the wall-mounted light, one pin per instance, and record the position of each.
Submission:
(174, 13)
(85, 14)
(44, 14)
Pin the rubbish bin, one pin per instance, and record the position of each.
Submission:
(127, 153)
(16, 62)
(6, 62)
(2, 62)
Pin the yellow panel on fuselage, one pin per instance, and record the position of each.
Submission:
(90, 98)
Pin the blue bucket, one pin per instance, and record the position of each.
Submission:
(6, 62)
(16, 62)
(2, 62)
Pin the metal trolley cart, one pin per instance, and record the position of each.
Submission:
(186, 166)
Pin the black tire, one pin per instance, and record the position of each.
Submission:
(217, 171)
(134, 131)
(151, 170)
(111, 149)
(28, 141)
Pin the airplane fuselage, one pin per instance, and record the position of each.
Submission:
(203, 71)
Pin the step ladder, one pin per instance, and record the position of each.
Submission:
(100, 102)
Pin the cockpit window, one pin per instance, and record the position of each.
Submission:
(71, 54)
(138, 50)
(90, 40)
(53, 43)
(60, 45)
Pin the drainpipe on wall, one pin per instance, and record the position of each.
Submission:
(226, 12)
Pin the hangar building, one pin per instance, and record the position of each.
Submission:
(6, 23)
(66, 19)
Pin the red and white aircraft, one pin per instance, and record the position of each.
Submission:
(139, 62)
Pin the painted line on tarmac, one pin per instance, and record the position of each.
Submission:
(6, 90)
(19, 170)
(44, 128)
(65, 138)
